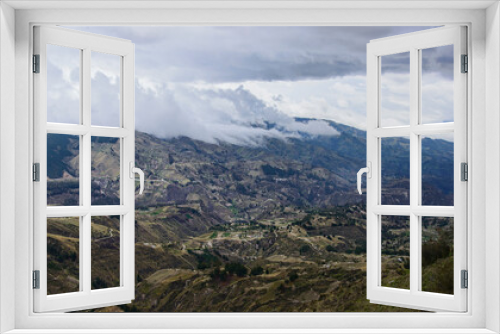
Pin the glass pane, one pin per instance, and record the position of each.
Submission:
(63, 170)
(395, 90)
(396, 251)
(437, 170)
(395, 171)
(105, 171)
(63, 84)
(105, 252)
(437, 254)
(63, 249)
(437, 84)
(105, 70)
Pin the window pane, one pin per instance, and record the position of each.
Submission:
(63, 170)
(437, 254)
(105, 171)
(395, 90)
(105, 70)
(63, 249)
(105, 252)
(63, 84)
(437, 84)
(395, 171)
(396, 251)
(437, 170)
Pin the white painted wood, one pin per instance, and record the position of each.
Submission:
(80, 130)
(86, 298)
(413, 43)
(492, 186)
(85, 180)
(259, 331)
(406, 210)
(422, 129)
(471, 322)
(414, 169)
(79, 211)
(7, 166)
(247, 4)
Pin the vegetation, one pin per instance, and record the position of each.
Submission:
(226, 228)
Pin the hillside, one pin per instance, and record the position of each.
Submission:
(277, 227)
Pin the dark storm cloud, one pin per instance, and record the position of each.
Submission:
(438, 60)
(396, 63)
(238, 54)
(229, 83)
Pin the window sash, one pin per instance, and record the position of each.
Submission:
(85, 298)
(414, 298)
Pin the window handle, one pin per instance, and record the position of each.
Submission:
(135, 170)
(368, 171)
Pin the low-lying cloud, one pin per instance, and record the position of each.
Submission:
(234, 116)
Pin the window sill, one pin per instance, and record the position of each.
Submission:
(252, 331)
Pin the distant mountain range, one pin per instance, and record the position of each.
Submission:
(308, 171)
(231, 228)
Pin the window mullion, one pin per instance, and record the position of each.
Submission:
(414, 170)
(86, 179)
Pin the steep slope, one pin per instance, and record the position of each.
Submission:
(221, 227)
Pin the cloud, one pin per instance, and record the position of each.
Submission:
(234, 116)
(239, 54)
(105, 100)
(339, 99)
(243, 84)
(437, 99)
(63, 85)
(438, 60)
(395, 99)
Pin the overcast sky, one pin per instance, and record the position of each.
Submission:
(218, 83)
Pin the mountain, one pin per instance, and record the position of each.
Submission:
(313, 171)
(212, 214)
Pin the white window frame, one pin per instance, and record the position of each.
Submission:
(484, 236)
(85, 297)
(413, 43)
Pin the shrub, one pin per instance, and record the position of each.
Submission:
(434, 250)
(207, 260)
(257, 271)
(304, 249)
(236, 268)
(219, 274)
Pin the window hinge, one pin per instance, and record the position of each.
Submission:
(465, 64)
(36, 172)
(36, 63)
(36, 279)
(464, 171)
(465, 279)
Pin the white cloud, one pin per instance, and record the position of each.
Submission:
(340, 99)
(210, 83)
(63, 85)
(437, 98)
(395, 99)
(214, 114)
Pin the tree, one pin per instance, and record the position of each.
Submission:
(257, 271)
(236, 268)
(293, 276)
(304, 249)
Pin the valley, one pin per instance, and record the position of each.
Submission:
(227, 228)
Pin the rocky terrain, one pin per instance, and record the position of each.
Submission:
(226, 228)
